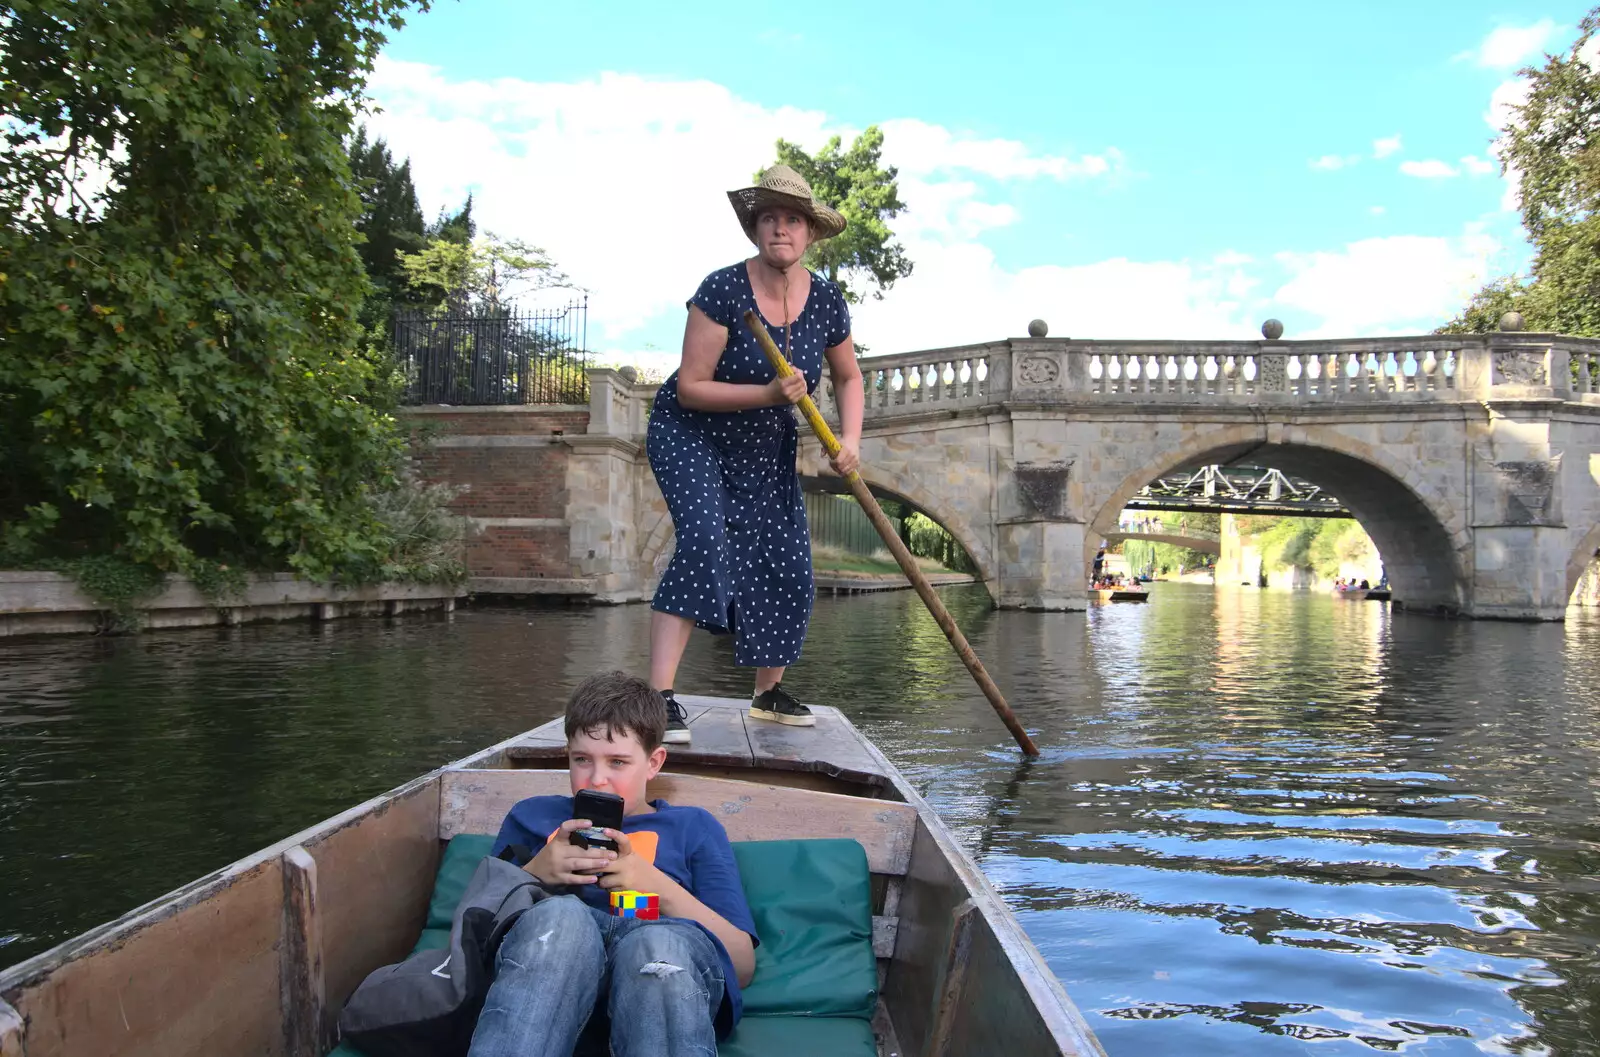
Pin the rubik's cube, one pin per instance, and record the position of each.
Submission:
(627, 903)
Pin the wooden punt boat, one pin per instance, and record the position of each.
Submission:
(1119, 594)
(258, 957)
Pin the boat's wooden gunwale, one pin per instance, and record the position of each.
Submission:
(1068, 1033)
(118, 930)
(11, 1028)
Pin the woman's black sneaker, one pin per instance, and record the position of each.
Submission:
(677, 721)
(776, 704)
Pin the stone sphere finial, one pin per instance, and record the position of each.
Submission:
(1038, 328)
(630, 372)
(1272, 330)
(1511, 321)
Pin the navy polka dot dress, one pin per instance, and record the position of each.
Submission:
(743, 558)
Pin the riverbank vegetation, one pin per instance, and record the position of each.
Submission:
(1325, 548)
(185, 387)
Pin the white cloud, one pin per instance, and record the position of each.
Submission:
(1510, 46)
(1331, 162)
(606, 173)
(1503, 101)
(1391, 285)
(621, 179)
(1382, 148)
(920, 149)
(1432, 169)
(1109, 298)
(1377, 211)
(1478, 166)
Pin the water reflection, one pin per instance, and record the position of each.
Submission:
(1261, 820)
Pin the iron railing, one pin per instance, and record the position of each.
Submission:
(494, 354)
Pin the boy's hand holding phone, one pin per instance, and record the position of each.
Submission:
(629, 870)
(560, 862)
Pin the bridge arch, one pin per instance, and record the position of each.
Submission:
(1423, 540)
(907, 491)
(1587, 550)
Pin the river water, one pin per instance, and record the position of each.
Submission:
(1263, 822)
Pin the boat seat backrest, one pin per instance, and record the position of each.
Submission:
(476, 801)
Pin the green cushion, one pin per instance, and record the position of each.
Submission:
(775, 1037)
(800, 1037)
(812, 902)
(432, 940)
(461, 858)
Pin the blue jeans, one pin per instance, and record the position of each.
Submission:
(659, 982)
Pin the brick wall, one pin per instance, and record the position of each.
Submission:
(521, 553)
(510, 465)
(522, 482)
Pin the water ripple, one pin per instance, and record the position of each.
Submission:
(1261, 823)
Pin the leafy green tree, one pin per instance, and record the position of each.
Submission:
(855, 182)
(179, 283)
(1553, 142)
(487, 272)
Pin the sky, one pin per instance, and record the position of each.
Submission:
(1154, 170)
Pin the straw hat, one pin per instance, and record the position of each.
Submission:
(782, 186)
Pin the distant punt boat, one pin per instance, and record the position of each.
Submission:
(1130, 593)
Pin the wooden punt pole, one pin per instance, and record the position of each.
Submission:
(891, 539)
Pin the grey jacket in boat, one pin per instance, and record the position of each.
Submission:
(427, 1005)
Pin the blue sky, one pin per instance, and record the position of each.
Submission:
(1121, 170)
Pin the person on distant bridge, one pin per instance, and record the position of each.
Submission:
(723, 441)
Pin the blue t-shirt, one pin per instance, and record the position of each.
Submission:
(687, 844)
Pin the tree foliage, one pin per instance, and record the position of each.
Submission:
(179, 283)
(391, 218)
(461, 275)
(1552, 145)
(855, 182)
(390, 223)
(1320, 545)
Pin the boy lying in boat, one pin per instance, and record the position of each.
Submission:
(670, 986)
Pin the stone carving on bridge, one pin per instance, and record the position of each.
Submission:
(1529, 489)
(1038, 370)
(1520, 368)
(1272, 373)
(1043, 488)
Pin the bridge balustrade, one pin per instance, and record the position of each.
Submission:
(1428, 368)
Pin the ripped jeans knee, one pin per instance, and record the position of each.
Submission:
(670, 972)
(560, 929)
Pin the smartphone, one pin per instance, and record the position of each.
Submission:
(604, 810)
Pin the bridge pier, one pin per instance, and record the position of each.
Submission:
(1040, 566)
(1519, 572)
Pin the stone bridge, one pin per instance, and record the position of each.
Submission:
(1473, 461)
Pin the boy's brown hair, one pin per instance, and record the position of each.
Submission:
(617, 703)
